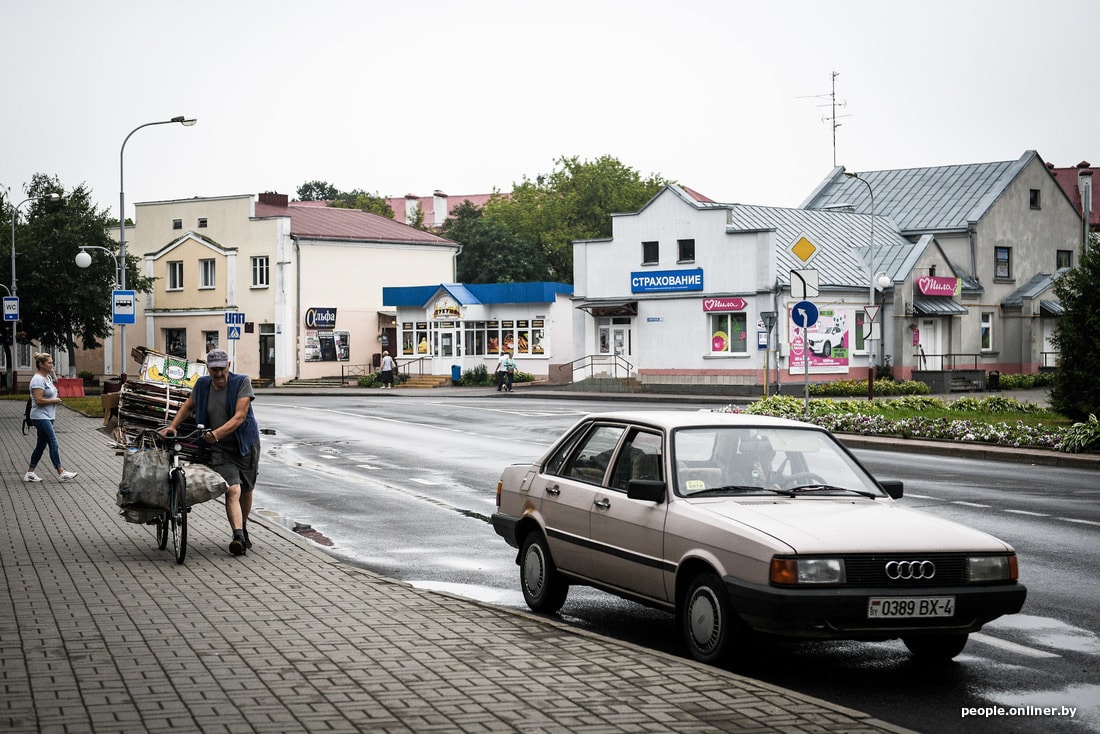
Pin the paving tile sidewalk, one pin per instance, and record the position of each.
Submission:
(102, 632)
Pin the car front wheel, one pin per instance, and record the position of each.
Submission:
(709, 623)
(935, 648)
(544, 589)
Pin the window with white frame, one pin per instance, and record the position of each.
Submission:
(207, 273)
(728, 333)
(987, 331)
(261, 276)
(175, 275)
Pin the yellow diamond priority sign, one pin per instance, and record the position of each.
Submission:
(803, 249)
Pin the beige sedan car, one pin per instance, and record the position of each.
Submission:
(746, 524)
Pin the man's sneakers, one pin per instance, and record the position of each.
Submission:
(236, 546)
(66, 476)
(31, 477)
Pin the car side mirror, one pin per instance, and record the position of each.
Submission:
(646, 490)
(893, 487)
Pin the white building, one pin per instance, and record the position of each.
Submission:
(301, 282)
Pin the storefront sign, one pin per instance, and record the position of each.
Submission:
(320, 317)
(446, 308)
(724, 304)
(932, 285)
(666, 280)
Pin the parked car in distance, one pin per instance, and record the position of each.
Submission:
(747, 525)
(826, 341)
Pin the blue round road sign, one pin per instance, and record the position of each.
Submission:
(804, 314)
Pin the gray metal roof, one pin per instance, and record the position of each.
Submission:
(841, 238)
(939, 199)
(1039, 283)
(938, 306)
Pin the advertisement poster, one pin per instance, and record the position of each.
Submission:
(327, 346)
(829, 341)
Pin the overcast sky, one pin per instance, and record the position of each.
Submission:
(726, 97)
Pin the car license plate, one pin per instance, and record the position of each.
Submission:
(893, 607)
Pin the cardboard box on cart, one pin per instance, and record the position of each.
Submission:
(152, 399)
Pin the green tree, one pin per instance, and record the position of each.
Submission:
(317, 191)
(490, 253)
(61, 305)
(1076, 389)
(573, 202)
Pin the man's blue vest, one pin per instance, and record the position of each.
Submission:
(248, 433)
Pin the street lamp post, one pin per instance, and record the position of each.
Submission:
(14, 341)
(871, 289)
(186, 122)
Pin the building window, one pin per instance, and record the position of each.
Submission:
(728, 334)
(987, 331)
(1033, 197)
(175, 275)
(177, 224)
(210, 339)
(1065, 259)
(207, 274)
(260, 273)
(685, 251)
(175, 343)
(651, 253)
(1002, 262)
(202, 222)
(860, 343)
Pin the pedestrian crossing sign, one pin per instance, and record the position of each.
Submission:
(234, 332)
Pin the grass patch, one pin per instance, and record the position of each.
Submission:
(90, 406)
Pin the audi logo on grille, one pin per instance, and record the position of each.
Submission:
(910, 570)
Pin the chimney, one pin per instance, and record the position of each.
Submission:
(274, 199)
(439, 207)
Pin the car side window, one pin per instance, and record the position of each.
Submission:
(555, 464)
(589, 462)
(641, 457)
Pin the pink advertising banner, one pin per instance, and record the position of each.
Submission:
(932, 285)
(724, 304)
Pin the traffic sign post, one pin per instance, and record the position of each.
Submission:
(805, 315)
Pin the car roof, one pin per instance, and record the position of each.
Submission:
(674, 419)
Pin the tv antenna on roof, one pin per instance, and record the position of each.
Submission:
(832, 117)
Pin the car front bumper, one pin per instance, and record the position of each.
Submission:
(841, 613)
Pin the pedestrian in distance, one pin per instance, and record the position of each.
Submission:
(222, 404)
(44, 402)
(509, 370)
(388, 368)
(500, 372)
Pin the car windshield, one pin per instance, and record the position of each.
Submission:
(717, 460)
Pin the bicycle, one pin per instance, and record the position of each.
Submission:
(172, 521)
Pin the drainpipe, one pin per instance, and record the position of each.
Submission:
(775, 307)
(297, 308)
(970, 235)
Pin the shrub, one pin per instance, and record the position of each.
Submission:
(476, 376)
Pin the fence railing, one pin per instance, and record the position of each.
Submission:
(948, 362)
(600, 365)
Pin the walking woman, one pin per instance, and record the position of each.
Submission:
(44, 402)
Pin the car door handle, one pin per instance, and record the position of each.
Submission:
(602, 503)
(555, 490)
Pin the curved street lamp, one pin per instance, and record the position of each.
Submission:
(13, 292)
(871, 291)
(186, 122)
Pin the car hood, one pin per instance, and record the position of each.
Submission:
(838, 525)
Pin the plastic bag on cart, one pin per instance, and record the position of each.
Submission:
(144, 484)
(203, 484)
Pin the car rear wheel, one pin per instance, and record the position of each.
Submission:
(544, 589)
(935, 648)
(710, 625)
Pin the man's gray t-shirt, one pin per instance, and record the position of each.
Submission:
(217, 416)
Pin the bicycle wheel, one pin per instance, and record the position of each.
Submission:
(162, 530)
(179, 513)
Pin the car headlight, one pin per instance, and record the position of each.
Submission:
(788, 571)
(991, 568)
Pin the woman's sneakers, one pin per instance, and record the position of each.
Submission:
(66, 476)
(31, 477)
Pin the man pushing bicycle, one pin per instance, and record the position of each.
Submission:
(222, 402)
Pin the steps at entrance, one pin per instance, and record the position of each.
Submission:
(424, 382)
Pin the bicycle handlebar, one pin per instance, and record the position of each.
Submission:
(156, 434)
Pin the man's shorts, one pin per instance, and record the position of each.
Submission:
(237, 469)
